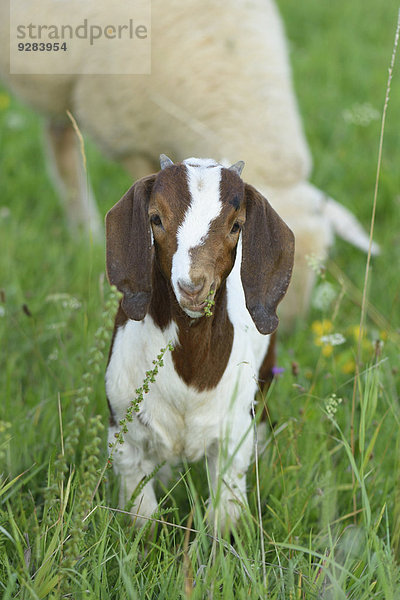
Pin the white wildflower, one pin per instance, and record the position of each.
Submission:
(5, 212)
(316, 264)
(333, 339)
(66, 300)
(361, 114)
(324, 295)
(332, 404)
(53, 356)
(56, 326)
(14, 120)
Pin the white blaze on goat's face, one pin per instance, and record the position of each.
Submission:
(204, 178)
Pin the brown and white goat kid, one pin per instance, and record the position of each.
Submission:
(193, 230)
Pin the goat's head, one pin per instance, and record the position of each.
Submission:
(193, 214)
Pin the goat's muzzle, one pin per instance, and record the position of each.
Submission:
(193, 297)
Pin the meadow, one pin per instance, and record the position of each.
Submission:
(324, 494)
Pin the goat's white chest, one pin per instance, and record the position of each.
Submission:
(176, 420)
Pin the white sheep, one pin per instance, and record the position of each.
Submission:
(220, 86)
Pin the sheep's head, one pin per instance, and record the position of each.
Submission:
(193, 214)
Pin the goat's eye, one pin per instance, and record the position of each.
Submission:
(235, 228)
(155, 220)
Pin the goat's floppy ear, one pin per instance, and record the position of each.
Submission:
(128, 248)
(267, 260)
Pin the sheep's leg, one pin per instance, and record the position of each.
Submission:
(228, 464)
(131, 465)
(68, 172)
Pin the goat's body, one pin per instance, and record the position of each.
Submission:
(191, 235)
(178, 421)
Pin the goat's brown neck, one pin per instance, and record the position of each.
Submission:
(204, 344)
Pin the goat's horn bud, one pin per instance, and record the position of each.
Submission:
(165, 161)
(237, 167)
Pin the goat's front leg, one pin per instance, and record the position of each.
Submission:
(228, 462)
(132, 466)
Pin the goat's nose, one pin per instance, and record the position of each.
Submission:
(189, 289)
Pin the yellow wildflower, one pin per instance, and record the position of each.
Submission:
(349, 367)
(4, 101)
(320, 328)
(354, 330)
(327, 350)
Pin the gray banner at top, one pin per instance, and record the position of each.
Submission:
(61, 37)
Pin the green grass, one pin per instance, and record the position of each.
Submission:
(328, 480)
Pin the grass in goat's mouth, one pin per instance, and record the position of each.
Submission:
(209, 304)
